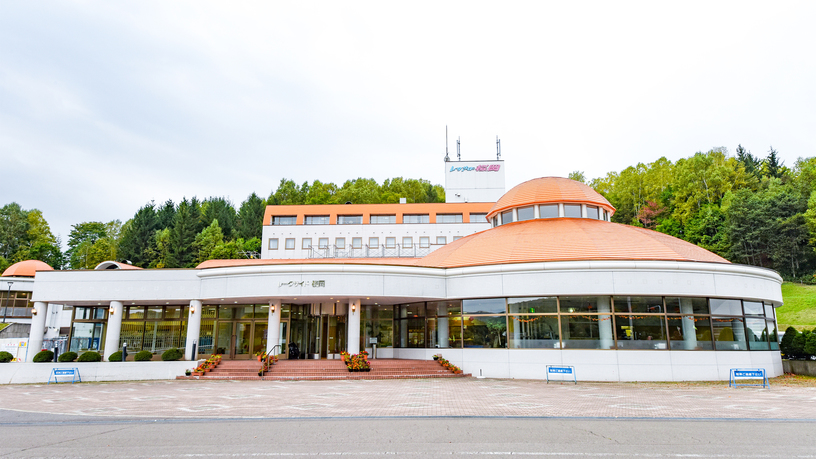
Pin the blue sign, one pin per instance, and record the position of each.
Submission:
(561, 370)
(72, 372)
(748, 373)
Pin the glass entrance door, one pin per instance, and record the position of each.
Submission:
(240, 339)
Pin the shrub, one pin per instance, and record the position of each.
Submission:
(44, 356)
(143, 356)
(67, 357)
(90, 356)
(810, 344)
(787, 341)
(172, 354)
(6, 357)
(115, 357)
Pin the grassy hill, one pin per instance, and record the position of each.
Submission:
(799, 309)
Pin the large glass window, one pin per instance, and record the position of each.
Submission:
(572, 210)
(587, 331)
(729, 333)
(287, 220)
(349, 219)
(592, 212)
(533, 332)
(383, 219)
(478, 217)
(753, 308)
(416, 218)
(684, 305)
(690, 333)
(757, 334)
(485, 306)
(86, 336)
(648, 304)
(316, 220)
(548, 211)
(726, 307)
(449, 218)
(485, 331)
(526, 213)
(544, 305)
(574, 304)
(772, 334)
(507, 217)
(640, 332)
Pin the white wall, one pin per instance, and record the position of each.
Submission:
(38, 373)
(470, 181)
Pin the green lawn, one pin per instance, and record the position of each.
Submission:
(799, 309)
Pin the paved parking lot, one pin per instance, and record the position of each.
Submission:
(409, 398)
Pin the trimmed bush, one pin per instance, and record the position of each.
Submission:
(6, 357)
(90, 356)
(172, 354)
(115, 357)
(67, 357)
(44, 356)
(143, 356)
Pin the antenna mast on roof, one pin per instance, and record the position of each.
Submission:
(447, 158)
(458, 152)
(498, 149)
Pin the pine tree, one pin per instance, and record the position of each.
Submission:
(250, 217)
(138, 235)
(186, 224)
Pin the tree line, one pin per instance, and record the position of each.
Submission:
(184, 234)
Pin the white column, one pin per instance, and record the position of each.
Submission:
(605, 323)
(442, 325)
(561, 210)
(689, 330)
(583, 211)
(114, 328)
(515, 214)
(273, 336)
(193, 330)
(536, 212)
(35, 336)
(354, 327)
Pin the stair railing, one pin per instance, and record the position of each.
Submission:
(270, 354)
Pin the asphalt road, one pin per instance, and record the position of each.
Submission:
(38, 435)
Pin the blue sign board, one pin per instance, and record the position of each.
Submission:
(72, 372)
(561, 370)
(741, 374)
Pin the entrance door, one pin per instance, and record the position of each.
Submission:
(241, 339)
(284, 339)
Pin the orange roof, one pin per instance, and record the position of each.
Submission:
(565, 239)
(26, 268)
(366, 210)
(549, 190)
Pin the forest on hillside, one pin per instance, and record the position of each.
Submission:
(749, 209)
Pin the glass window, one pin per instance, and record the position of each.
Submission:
(592, 212)
(648, 304)
(306, 243)
(416, 218)
(573, 304)
(86, 336)
(456, 238)
(441, 240)
(726, 307)
(485, 332)
(356, 243)
(290, 243)
(589, 331)
(373, 242)
(546, 305)
(412, 310)
(316, 220)
(373, 311)
(526, 213)
(769, 311)
(454, 332)
(172, 312)
(390, 242)
(449, 218)
(407, 242)
(757, 334)
(774, 338)
(533, 332)
(288, 220)
(690, 333)
(478, 217)
(323, 242)
(381, 219)
(686, 305)
(349, 219)
(548, 211)
(273, 244)
(154, 312)
(572, 210)
(507, 217)
(485, 306)
(729, 333)
(381, 330)
(225, 312)
(424, 242)
(340, 243)
(445, 308)
(135, 312)
(753, 308)
(640, 332)
(244, 312)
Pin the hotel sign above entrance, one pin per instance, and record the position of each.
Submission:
(479, 168)
(312, 283)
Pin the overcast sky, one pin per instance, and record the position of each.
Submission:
(105, 106)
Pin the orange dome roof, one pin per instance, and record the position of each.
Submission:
(565, 239)
(546, 190)
(26, 268)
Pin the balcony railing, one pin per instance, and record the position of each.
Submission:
(381, 251)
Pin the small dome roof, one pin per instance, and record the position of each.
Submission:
(26, 268)
(565, 239)
(548, 190)
(114, 265)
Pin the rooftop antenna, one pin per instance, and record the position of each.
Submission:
(447, 158)
(498, 149)
(458, 151)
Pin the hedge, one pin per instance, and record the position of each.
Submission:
(67, 356)
(143, 356)
(172, 354)
(90, 356)
(44, 356)
(115, 357)
(5, 357)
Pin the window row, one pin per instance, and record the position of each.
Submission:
(377, 219)
(389, 242)
(18, 304)
(550, 211)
